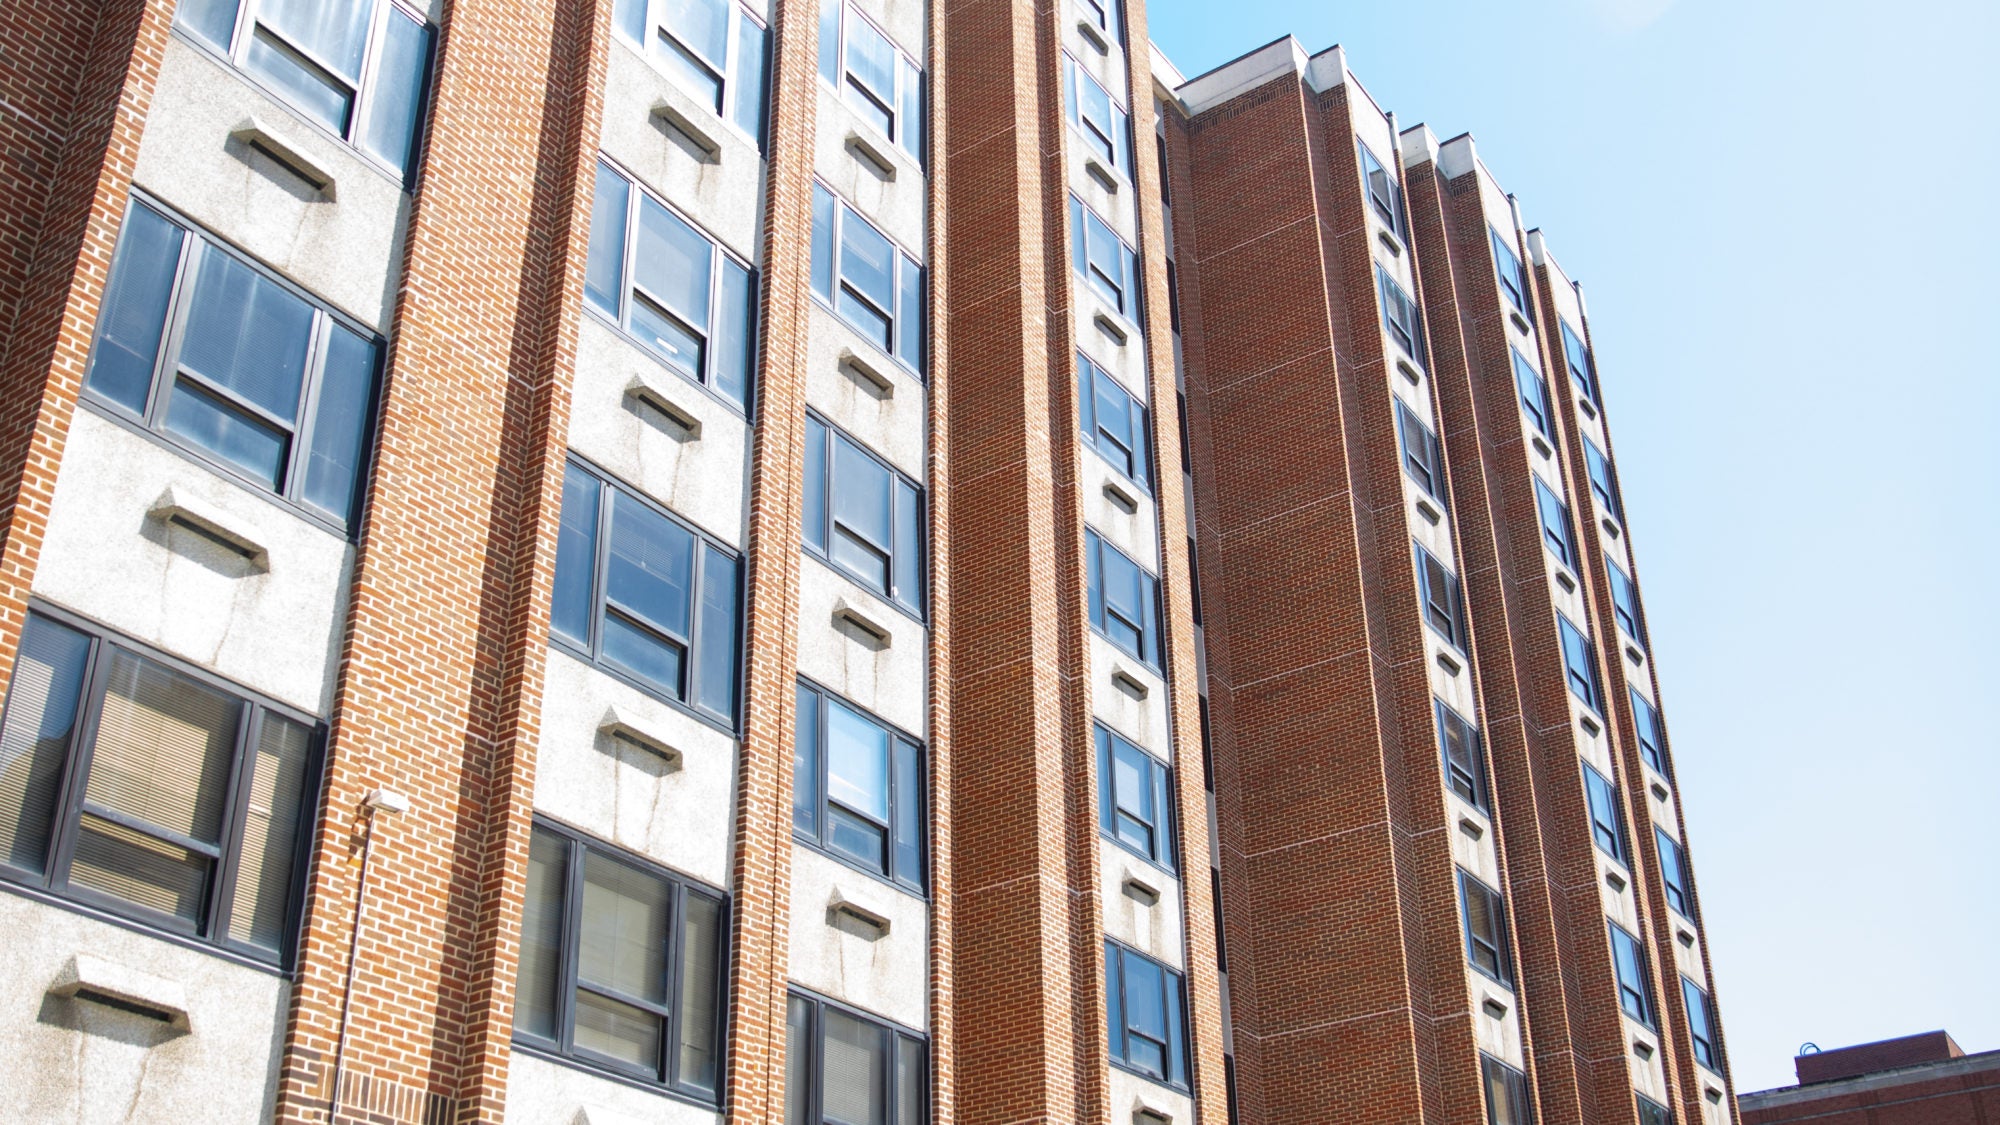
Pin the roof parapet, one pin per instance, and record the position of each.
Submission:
(1457, 156)
(1327, 69)
(1273, 60)
(1420, 145)
(1165, 73)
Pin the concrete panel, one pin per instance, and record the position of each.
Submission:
(1649, 1071)
(888, 974)
(1134, 532)
(542, 1092)
(725, 195)
(896, 206)
(893, 423)
(1108, 64)
(887, 680)
(1130, 1094)
(1116, 203)
(276, 631)
(1155, 929)
(1454, 688)
(1126, 359)
(704, 480)
(1499, 1036)
(606, 787)
(1144, 721)
(1476, 854)
(347, 250)
(78, 1061)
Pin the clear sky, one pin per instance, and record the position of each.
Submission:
(1786, 217)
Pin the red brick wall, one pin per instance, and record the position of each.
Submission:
(1971, 1096)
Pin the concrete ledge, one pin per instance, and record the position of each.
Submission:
(88, 977)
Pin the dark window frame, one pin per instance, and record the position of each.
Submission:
(1529, 382)
(1173, 1000)
(1603, 480)
(1152, 630)
(1582, 368)
(1389, 207)
(1124, 294)
(912, 603)
(893, 1037)
(910, 98)
(167, 372)
(829, 283)
(1467, 778)
(720, 261)
(68, 806)
(1515, 287)
(1702, 1031)
(1423, 454)
(728, 72)
(1159, 792)
(1584, 682)
(1652, 731)
(1635, 997)
(665, 1078)
(1607, 818)
(593, 654)
(1111, 140)
(1448, 603)
(1498, 948)
(1512, 1083)
(1675, 880)
(235, 56)
(1559, 539)
(1400, 315)
(1652, 1112)
(1625, 606)
(1138, 415)
(819, 836)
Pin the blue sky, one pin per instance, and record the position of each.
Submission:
(1786, 215)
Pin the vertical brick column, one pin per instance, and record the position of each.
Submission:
(754, 1084)
(76, 81)
(1029, 1039)
(441, 675)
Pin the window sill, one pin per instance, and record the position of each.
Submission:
(1135, 853)
(1177, 1087)
(591, 311)
(551, 1055)
(570, 649)
(875, 596)
(819, 849)
(8, 885)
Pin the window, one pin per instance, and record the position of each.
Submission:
(1485, 916)
(1581, 368)
(1382, 191)
(1135, 798)
(858, 788)
(1674, 875)
(1107, 16)
(1607, 822)
(1652, 1112)
(1207, 747)
(715, 50)
(236, 366)
(1114, 422)
(621, 964)
(1187, 451)
(1399, 316)
(863, 516)
(1143, 998)
(1444, 605)
(1194, 580)
(1628, 956)
(1506, 1093)
(1221, 938)
(1580, 664)
(1652, 732)
(875, 287)
(645, 597)
(1603, 481)
(1701, 1026)
(1464, 761)
(846, 1068)
(1166, 196)
(1124, 600)
(883, 85)
(1104, 125)
(1534, 394)
(1556, 533)
(1173, 299)
(1625, 603)
(1513, 277)
(670, 288)
(1423, 454)
(148, 789)
(356, 67)
(1108, 265)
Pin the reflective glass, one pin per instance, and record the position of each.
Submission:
(42, 706)
(247, 334)
(576, 557)
(604, 270)
(134, 313)
(340, 424)
(395, 98)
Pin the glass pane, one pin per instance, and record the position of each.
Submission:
(822, 243)
(911, 801)
(642, 653)
(735, 335)
(910, 313)
(814, 505)
(909, 560)
(624, 936)
(867, 319)
(629, 18)
(163, 748)
(701, 945)
(618, 1031)
(853, 1071)
(861, 496)
(751, 89)
(667, 336)
(651, 568)
(671, 263)
(829, 40)
(805, 764)
(576, 557)
(912, 1087)
(229, 433)
(1094, 103)
(910, 131)
(798, 1057)
(1132, 793)
(1145, 994)
(871, 61)
(41, 715)
(868, 562)
(535, 1000)
(702, 25)
(395, 100)
(247, 334)
(697, 76)
(114, 860)
(604, 270)
(134, 314)
(334, 31)
(1114, 419)
(340, 423)
(260, 905)
(213, 20)
(304, 84)
(868, 263)
(857, 760)
(717, 648)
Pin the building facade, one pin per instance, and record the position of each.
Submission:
(1921, 1079)
(635, 560)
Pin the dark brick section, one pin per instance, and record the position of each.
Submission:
(1915, 1080)
(1868, 1058)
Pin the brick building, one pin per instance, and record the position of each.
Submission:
(636, 561)
(1921, 1079)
